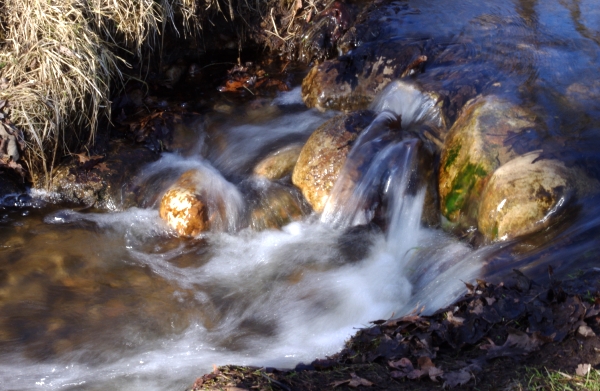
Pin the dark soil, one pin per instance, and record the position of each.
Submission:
(491, 339)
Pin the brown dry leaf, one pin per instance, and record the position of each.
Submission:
(403, 364)
(583, 369)
(470, 287)
(455, 320)
(354, 382)
(83, 158)
(103, 167)
(358, 381)
(428, 368)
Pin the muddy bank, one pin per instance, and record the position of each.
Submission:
(485, 341)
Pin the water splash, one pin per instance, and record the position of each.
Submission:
(410, 104)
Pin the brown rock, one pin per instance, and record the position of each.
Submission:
(279, 163)
(183, 208)
(324, 154)
(276, 207)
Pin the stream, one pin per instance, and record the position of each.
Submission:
(97, 300)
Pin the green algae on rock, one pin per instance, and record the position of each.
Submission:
(479, 142)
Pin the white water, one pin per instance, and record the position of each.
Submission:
(270, 298)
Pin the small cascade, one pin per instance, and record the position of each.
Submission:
(355, 194)
(410, 104)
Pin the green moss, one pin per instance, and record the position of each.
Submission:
(461, 187)
(495, 232)
(452, 155)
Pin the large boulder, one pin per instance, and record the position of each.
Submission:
(324, 154)
(489, 132)
(528, 194)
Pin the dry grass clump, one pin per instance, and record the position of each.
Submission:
(59, 58)
(58, 62)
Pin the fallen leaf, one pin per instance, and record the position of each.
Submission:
(454, 379)
(428, 368)
(103, 167)
(339, 383)
(358, 381)
(490, 300)
(455, 320)
(517, 343)
(403, 363)
(583, 369)
(586, 331)
(354, 382)
(592, 311)
(415, 374)
(83, 158)
(470, 287)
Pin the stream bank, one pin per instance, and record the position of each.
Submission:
(493, 338)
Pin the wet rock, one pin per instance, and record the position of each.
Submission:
(324, 154)
(279, 163)
(183, 207)
(275, 207)
(480, 141)
(201, 200)
(101, 181)
(352, 81)
(527, 195)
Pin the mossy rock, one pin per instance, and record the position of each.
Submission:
(526, 195)
(480, 141)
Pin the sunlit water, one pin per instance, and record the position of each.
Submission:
(93, 300)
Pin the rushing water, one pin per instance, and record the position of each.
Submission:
(94, 300)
